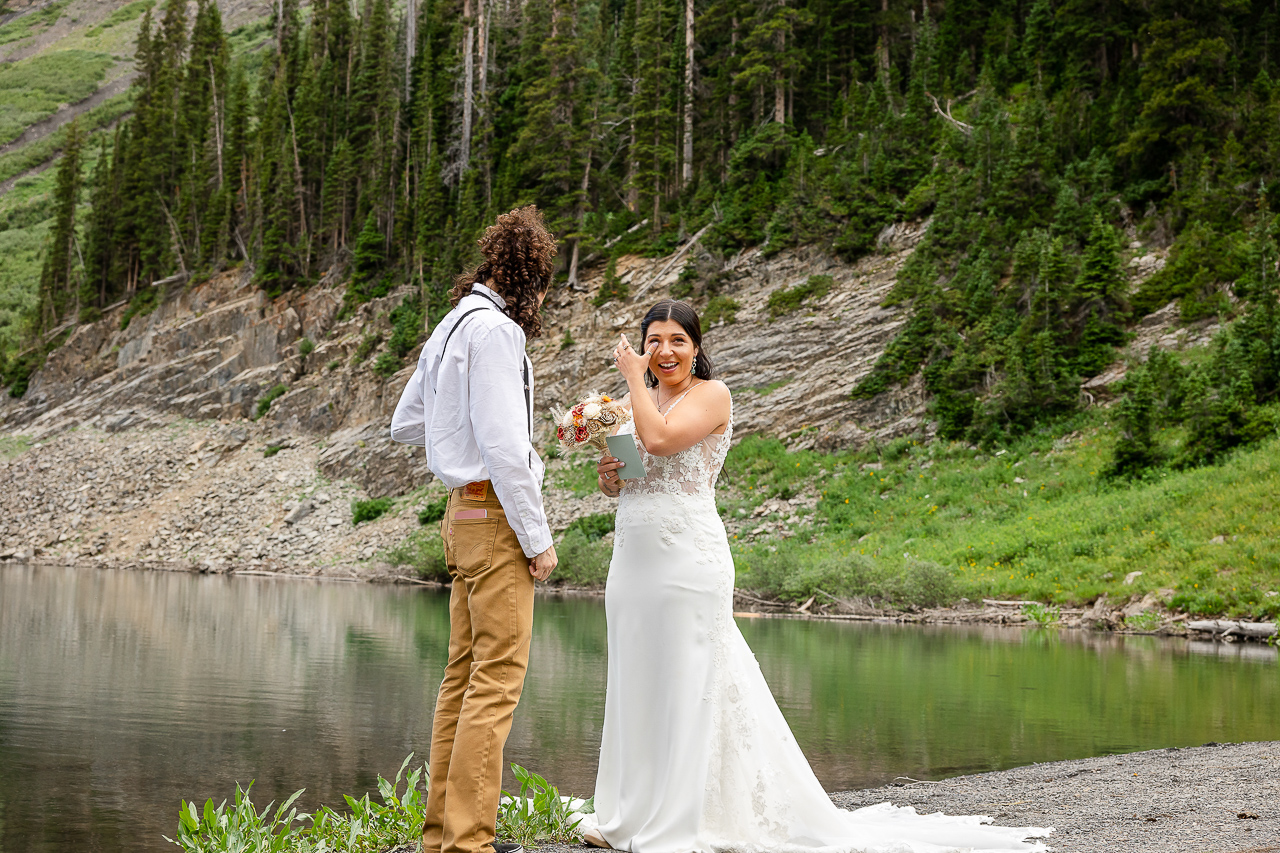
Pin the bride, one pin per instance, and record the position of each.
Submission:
(695, 755)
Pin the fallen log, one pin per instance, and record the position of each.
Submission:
(1228, 627)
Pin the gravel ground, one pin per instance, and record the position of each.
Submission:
(1216, 798)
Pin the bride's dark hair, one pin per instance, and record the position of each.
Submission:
(682, 313)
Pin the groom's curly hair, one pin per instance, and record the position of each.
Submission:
(518, 257)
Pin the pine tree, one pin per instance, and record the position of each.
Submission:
(58, 280)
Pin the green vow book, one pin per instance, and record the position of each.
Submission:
(624, 447)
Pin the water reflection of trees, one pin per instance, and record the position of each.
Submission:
(121, 693)
(869, 702)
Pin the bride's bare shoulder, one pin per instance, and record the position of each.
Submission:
(716, 392)
(715, 397)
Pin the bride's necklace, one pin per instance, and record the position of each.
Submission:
(675, 396)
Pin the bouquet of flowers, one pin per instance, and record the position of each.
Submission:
(593, 418)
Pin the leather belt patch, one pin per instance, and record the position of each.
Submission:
(475, 491)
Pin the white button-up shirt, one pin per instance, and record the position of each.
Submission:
(468, 410)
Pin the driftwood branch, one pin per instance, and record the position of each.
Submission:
(675, 259)
(966, 129)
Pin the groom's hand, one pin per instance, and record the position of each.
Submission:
(544, 564)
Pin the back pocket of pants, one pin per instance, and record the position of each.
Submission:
(473, 541)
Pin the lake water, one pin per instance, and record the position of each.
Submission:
(122, 693)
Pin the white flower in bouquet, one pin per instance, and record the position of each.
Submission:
(588, 422)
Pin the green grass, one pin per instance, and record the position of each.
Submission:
(1036, 522)
(577, 472)
(43, 150)
(12, 445)
(784, 300)
(123, 15)
(33, 89)
(25, 216)
(32, 23)
(21, 254)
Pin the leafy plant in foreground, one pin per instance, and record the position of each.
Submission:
(1146, 621)
(539, 813)
(1041, 614)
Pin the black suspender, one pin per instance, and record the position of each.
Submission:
(524, 362)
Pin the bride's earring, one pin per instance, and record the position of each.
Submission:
(695, 364)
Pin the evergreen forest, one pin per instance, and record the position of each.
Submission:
(370, 144)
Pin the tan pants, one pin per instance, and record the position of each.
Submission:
(490, 627)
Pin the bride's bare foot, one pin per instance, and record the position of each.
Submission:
(595, 839)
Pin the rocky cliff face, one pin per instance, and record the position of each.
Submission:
(211, 352)
(139, 443)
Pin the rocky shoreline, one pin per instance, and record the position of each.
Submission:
(146, 490)
(1216, 798)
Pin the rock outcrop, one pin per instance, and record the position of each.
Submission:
(211, 351)
(158, 443)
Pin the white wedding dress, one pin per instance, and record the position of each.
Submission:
(695, 755)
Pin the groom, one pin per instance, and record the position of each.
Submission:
(470, 403)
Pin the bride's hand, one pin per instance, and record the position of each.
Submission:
(631, 364)
(608, 480)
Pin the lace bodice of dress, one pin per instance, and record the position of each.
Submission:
(689, 472)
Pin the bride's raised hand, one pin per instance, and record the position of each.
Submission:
(631, 364)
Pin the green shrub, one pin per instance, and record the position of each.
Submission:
(612, 289)
(1041, 614)
(1146, 621)
(386, 364)
(369, 510)
(1200, 261)
(367, 345)
(268, 452)
(685, 282)
(720, 309)
(306, 347)
(594, 527)
(333, 365)
(924, 584)
(583, 561)
(423, 553)
(784, 300)
(16, 372)
(407, 326)
(567, 341)
(433, 511)
(265, 401)
(142, 304)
